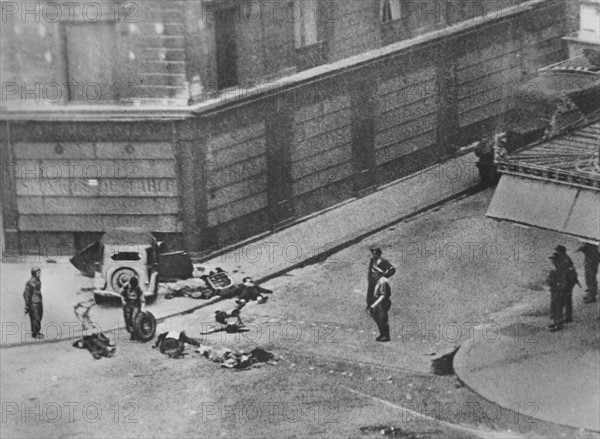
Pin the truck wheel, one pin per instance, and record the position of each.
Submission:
(120, 277)
(145, 326)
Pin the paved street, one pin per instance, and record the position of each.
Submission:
(457, 270)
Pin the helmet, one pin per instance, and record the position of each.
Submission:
(35, 270)
(133, 282)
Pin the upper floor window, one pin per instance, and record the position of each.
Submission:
(306, 16)
(89, 50)
(390, 10)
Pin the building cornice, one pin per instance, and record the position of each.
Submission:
(236, 97)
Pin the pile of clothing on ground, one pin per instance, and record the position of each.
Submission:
(204, 285)
(237, 359)
(200, 291)
(98, 344)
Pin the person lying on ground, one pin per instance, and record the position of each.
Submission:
(249, 291)
(172, 343)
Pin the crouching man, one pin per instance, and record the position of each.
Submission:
(134, 302)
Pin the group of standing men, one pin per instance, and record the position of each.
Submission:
(563, 278)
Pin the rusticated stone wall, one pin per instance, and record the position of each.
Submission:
(225, 171)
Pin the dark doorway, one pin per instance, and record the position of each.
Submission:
(226, 42)
(363, 137)
(279, 134)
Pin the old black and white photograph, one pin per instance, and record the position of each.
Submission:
(300, 219)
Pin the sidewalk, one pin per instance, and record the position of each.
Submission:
(266, 258)
(554, 377)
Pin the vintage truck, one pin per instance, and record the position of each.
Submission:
(126, 252)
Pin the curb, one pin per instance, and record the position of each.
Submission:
(323, 255)
(461, 358)
(200, 257)
(309, 261)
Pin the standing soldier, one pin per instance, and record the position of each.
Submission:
(379, 309)
(378, 268)
(557, 281)
(592, 259)
(567, 269)
(134, 301)
(33, 302)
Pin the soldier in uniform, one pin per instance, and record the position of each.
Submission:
(557, 281)
(378, 268)
(379, 309)
(567, 269)
(133, 301)
(33, 302)
(592, 259)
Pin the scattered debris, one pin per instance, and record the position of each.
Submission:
(237, 359)
(194, 288)
(398, 432)
(203, 285)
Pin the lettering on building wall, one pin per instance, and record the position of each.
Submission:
(150, 187)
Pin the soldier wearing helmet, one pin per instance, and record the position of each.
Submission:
(33, 302)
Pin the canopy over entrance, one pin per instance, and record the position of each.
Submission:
(554, 185)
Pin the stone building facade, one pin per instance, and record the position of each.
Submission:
(178, 52)
(368, 99)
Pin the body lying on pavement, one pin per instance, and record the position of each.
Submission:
(172, 343)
